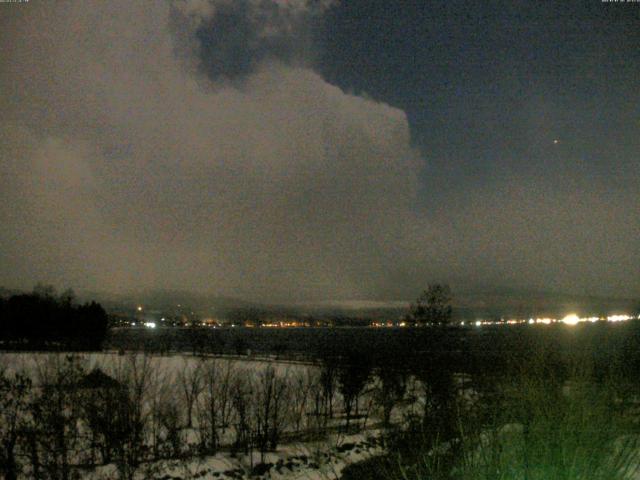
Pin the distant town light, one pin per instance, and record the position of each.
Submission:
(571, 319)
(150, 324)
(139, 308)
(545, 321)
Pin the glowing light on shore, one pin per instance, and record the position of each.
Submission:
(150, 324)
(545, 321)
(571, 319)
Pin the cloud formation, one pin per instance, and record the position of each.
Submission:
(191, 145)
(125, 167)
(233, 39)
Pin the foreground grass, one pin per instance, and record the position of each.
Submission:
(573, 434)
(536, 423)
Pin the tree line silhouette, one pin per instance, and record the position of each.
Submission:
(42, 320)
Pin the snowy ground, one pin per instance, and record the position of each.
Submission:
(322, 459)
(296, 461)
(33, 362)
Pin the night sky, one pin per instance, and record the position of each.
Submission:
(293, 150)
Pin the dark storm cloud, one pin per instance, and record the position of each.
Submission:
(239, 36)
(190, 145)
(229, 44)
(127, 171)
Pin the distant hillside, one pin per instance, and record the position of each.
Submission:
(487, 304)
(494, 305)
(170, 300)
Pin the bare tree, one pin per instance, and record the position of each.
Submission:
(169, 439)
(328, 376)
(318, 416)
(281, 392)
(56, 410)
(240, 395)
(433, 306)
(131, 417)
(390, 388)
(214, 406)
(353, 376)
(269, 409)
(161, 399)
(14, 403)
(100, 398)
(302, 382)
(190, 381)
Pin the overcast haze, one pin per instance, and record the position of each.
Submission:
(295, 150)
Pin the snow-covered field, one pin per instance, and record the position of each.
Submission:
(295, 461)
(297, 413)
(177, 417)
(34, 362)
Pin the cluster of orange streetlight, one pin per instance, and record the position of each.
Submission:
(570, 319)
